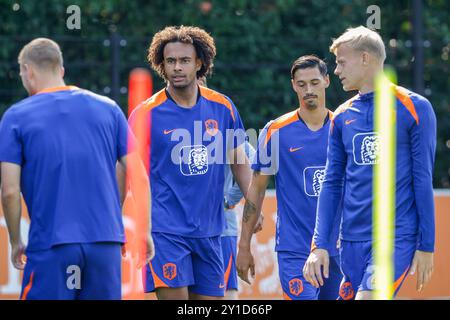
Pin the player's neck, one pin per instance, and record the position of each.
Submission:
(368, 85)
(184, 97)
(47, 83)
(314, 119)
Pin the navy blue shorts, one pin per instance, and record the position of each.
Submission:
(85, 271)
(196, 263)
(294, 285)
(229, 245)
(357, 264)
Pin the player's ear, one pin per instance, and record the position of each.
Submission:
(198, 64)
(31, 71)
(293, 84)
(327, 81)
(62, 72)
(365, 58)
(27, 70)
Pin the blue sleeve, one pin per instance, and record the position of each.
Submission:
(330, 196)
(122, 133)
(266, 157)
(234, 193)
(10, 139)
(423, 147)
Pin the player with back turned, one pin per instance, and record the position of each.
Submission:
(59, 147)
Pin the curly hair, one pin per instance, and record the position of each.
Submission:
(199, 38)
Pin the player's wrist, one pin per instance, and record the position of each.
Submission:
(15, 242)
(244, 245)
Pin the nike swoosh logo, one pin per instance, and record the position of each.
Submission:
(169, 131)
(349, 121)
(294, 149)
(221, 286)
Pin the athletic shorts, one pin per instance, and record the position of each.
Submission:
(294, 285)
(196, 263)
(357, 265)
(229, 258)
(84, 271)
(330, 288)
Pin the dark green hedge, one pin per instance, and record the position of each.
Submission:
(256, 41)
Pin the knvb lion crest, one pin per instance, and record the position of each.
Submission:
(318, 178)
(295, 287)
(212, 127)
(366, 148)
(346, 291)
(313, 178)
(197, 160)
(170, 271)
(369, 149)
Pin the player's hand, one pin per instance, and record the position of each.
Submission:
(150, 249)
(259, 224)
(244, 263)
(312, 270)
(423, 264)
(17, 255)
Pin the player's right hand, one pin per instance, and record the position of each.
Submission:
(259, 223)
(244, 263)
(312, 270)
(17, 255)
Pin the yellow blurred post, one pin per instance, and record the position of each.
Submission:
(384, 186)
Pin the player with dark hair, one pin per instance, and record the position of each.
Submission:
(293, 148)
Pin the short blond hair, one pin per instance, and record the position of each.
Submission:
(361, 39)
(43, 53)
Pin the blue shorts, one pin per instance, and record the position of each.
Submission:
(357, 264)
(90, 271)
(330, 288)
(229, 258)
(196, 263)
(294, 285)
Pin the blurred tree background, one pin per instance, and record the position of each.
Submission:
(257, 41)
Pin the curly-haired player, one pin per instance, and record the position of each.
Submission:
(187, 120)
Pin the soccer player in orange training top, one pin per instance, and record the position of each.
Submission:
(352, 152)
(187, 150)
(59, 147)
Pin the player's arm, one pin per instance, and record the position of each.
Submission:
(234, 195)
(327, 208)
(121, 181)
(132, 163)
(423, 147)
(250, 216)
(240, 167)
(10, 188)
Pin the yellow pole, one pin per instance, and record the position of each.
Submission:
(384, 186)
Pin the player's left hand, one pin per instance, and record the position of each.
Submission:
(259, 224)
(124, 250)
(423, 264)
(150, 249)
(17, 253)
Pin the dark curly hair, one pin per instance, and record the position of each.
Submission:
(199, 38)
